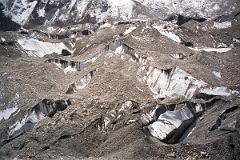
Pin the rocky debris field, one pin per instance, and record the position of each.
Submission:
(83, 85)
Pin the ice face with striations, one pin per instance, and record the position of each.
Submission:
(175, 83)
(172, 83)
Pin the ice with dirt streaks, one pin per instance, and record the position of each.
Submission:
(170, 121)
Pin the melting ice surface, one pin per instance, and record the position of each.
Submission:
(5, 114)
(38, 48)
(170, 124)
(172, 83)
(169, 121)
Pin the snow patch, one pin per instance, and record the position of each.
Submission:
(129, 30)
(217, 74)
(236, 40)
(181, 55)
(105, 25)
(120, 10)
(5, 114)
(41, 12)
(222, 25)
(38, 48)
(3, 40)
(51, 29)
(81, 7)
(123, 8)
(126, 106)
(208, 49)
(220, 91)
